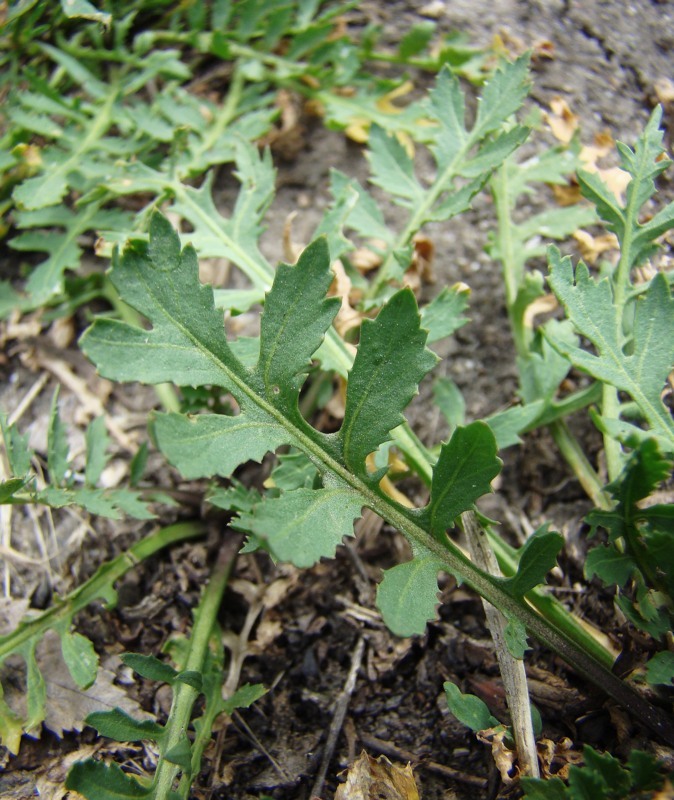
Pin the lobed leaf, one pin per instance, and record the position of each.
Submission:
(536, 559)
(187, 343)
(296, 316)
(304, 525)
(57, 445)
(208, 444)
(660, 669)
(244, 697)
(391, 360)
(642, 372)
(79, 656)
(393, 169)
(464, 471)
(98, 781)
(122, 727)
(150, 667)
(408, 594)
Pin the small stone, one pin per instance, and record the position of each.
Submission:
(433, 10)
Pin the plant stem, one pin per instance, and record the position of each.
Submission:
(578, 461)
(100, 585)
(185, 695)
(512, 669)
(549, 607)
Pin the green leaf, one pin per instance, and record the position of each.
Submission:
(448, 106)
(235, 238)
(493, 153)
(80, 657)
(660, 669)
(138, 464)
(305, 525)
(393, 169)
(244, 697)
(82, 8)
(503, 95)
(97, 441)
(515, 635)
(645, 771)
(122, 727)
(467, 465)
(416, 39)
(509, 424)
(644, 164)
(603, 768)
(366, 217)
(450, 401)
(537, 789)
(294, 471)
(408, 595)
(296, 317)
(57, 445)
(642, 372)
(607, 563)
(150, 667)
(98, 781)
(9, 488)
(445, 313)
(210, 444)
(11, 727)
(536, 559)
(468, 709)
(392, 358)
(19, 455)
(191, 678)
(236, 498)
(181, 755)
(187, 343)
(36, 691)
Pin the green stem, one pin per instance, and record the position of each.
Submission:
(548, 606)
(185, 695)
(579, 463)
(610, 408)
(455, 562)
(422, 213)
(100, 585)
(227, 113)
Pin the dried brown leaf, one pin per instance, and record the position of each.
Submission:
(377, 779)
(503, 757)
(592, 247)
(555, 758)
(563, 123)
(67, 706)
(347, 316)
(420, 271)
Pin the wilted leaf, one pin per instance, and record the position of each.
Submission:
(377, 779)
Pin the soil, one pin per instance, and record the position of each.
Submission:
(317, 625)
